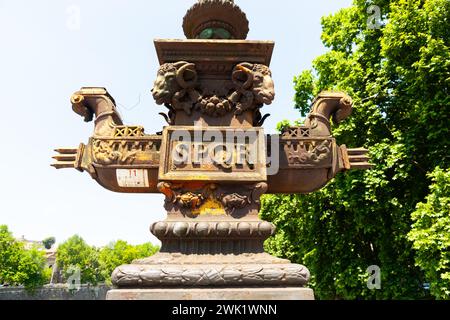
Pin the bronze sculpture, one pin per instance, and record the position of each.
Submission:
(214, 85)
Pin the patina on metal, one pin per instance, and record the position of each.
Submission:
(215, 82)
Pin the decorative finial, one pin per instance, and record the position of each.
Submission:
(215, 19)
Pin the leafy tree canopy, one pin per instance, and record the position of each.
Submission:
(19, 266)
(97, 264)
(431, 234)
(119, 253)
(76, 254)
(399, 78)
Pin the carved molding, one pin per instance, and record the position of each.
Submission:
(309, 152)
(167, 258)
(210, 275)
(212, 229)
(122, 151)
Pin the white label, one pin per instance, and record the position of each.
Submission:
(132, 178)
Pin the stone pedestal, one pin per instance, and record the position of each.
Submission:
(255, 294)
(213, 258)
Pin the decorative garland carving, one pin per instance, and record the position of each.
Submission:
(214, 106)
(138, 276)
(176, 87)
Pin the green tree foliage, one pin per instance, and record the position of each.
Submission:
(119, 253)
(76, 254)
(399, 78)
(48, 242)
(97, 264)
(19, 266)
(431, 234)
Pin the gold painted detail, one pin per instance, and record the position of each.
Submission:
(125, 152)
(126, 131)
(211, 207)
(211, 199)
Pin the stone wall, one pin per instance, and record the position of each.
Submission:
(55, 292)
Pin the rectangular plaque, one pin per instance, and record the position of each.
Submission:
(213, 154)
(132, 178)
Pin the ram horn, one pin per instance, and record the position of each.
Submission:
(184, 82)
(243, 69)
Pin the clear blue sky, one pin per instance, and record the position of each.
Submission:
(44, 58)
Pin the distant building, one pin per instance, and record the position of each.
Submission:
(30, 243)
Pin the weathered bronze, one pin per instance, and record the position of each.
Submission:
(213, 85)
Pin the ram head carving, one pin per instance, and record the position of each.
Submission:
(254, 86)
(175, 86)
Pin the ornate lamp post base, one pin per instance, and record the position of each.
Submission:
(211, 257)
(213, 163)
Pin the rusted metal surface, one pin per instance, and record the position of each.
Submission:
(213, 85)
